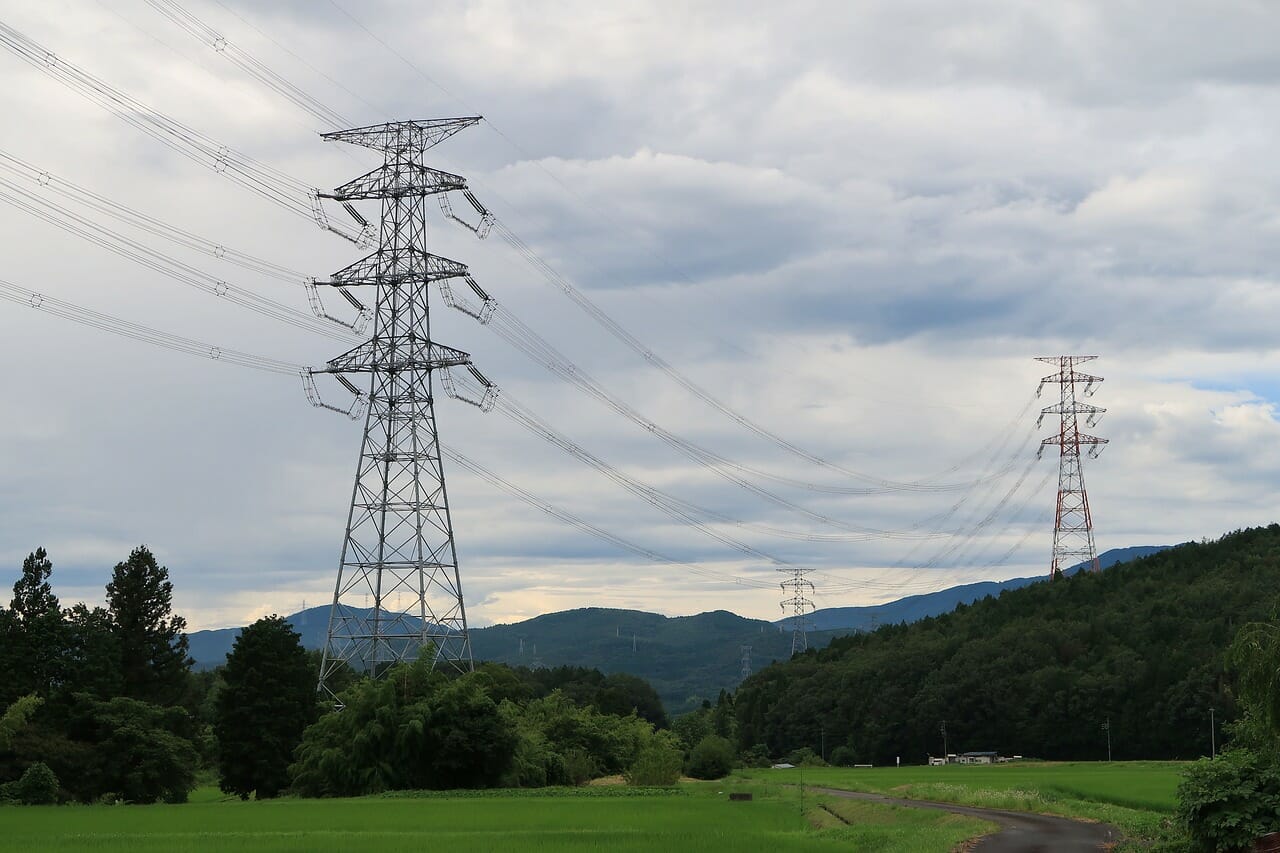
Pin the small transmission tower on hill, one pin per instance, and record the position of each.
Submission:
(799, 601)
(1073, 523)
(398, 586)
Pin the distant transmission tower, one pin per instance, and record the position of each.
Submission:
(1073, 523)
(398, 556)
(798, 590)
(746, 662)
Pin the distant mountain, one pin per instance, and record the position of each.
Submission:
(686, 658)
(916, 607)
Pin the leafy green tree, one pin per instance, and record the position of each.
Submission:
(1255, 655)
(37, 787)
(580, 766)
(414, 728)
(659, 764)
(121, 748)
(16, 716)
(267, 700)
(623, 694)
(92, 655)
(153, 646)
(35, 631)
(712, 758)
(692, 727)
(140, 750)
(469, 743)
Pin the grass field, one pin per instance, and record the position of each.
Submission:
(1136, 796)
(697, 817)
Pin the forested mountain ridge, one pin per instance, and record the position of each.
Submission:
(1038, 670)
(915, 607)
(686, 658)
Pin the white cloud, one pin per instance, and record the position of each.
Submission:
(856, 224)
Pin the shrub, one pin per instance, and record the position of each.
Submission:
(1227, 802)
(843, 756)
(805, 757)
(757, 756)
(659, 764)
(712, 758)
(37, 787)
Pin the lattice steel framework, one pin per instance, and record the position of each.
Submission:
(799, 601)
(398, 588)
(746, 662)
(1073, 522)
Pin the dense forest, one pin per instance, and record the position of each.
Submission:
(1037, 671)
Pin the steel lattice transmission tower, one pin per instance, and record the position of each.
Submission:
(799, 592)
(1073, 523)
(398, 586)
(746, 662)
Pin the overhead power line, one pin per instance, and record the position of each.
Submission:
(278, 83)
(79, 226)
(257, 177)
(138, 332)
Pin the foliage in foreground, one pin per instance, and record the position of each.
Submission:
(1227, 802)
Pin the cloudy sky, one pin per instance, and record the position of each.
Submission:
(853, 223)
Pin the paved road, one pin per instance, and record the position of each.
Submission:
(1019, 832)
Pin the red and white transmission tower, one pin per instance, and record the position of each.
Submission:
(1073, 524)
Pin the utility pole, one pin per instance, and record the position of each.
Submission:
(798, 591)
(1213, 737)
(398, 547)
(1073, 523)
(943, 729)
(1106, 727)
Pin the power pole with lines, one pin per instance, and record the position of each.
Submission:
(798, 590)
(1073, 523)
(398, 553)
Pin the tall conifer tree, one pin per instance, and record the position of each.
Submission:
(152, 641)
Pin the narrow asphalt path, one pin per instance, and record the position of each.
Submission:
(1020, 832)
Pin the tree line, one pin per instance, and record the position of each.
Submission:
(103, 706)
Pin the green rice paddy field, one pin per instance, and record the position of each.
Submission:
(697, 816)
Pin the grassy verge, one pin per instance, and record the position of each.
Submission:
(1136, 797)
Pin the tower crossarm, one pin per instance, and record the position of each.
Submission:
(412, 137)
(1093, 414)
(388, 268)
(384, 355)
(1079, 438)
(396, 181)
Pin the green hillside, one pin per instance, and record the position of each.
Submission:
(685, 658)
(1038, 670)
